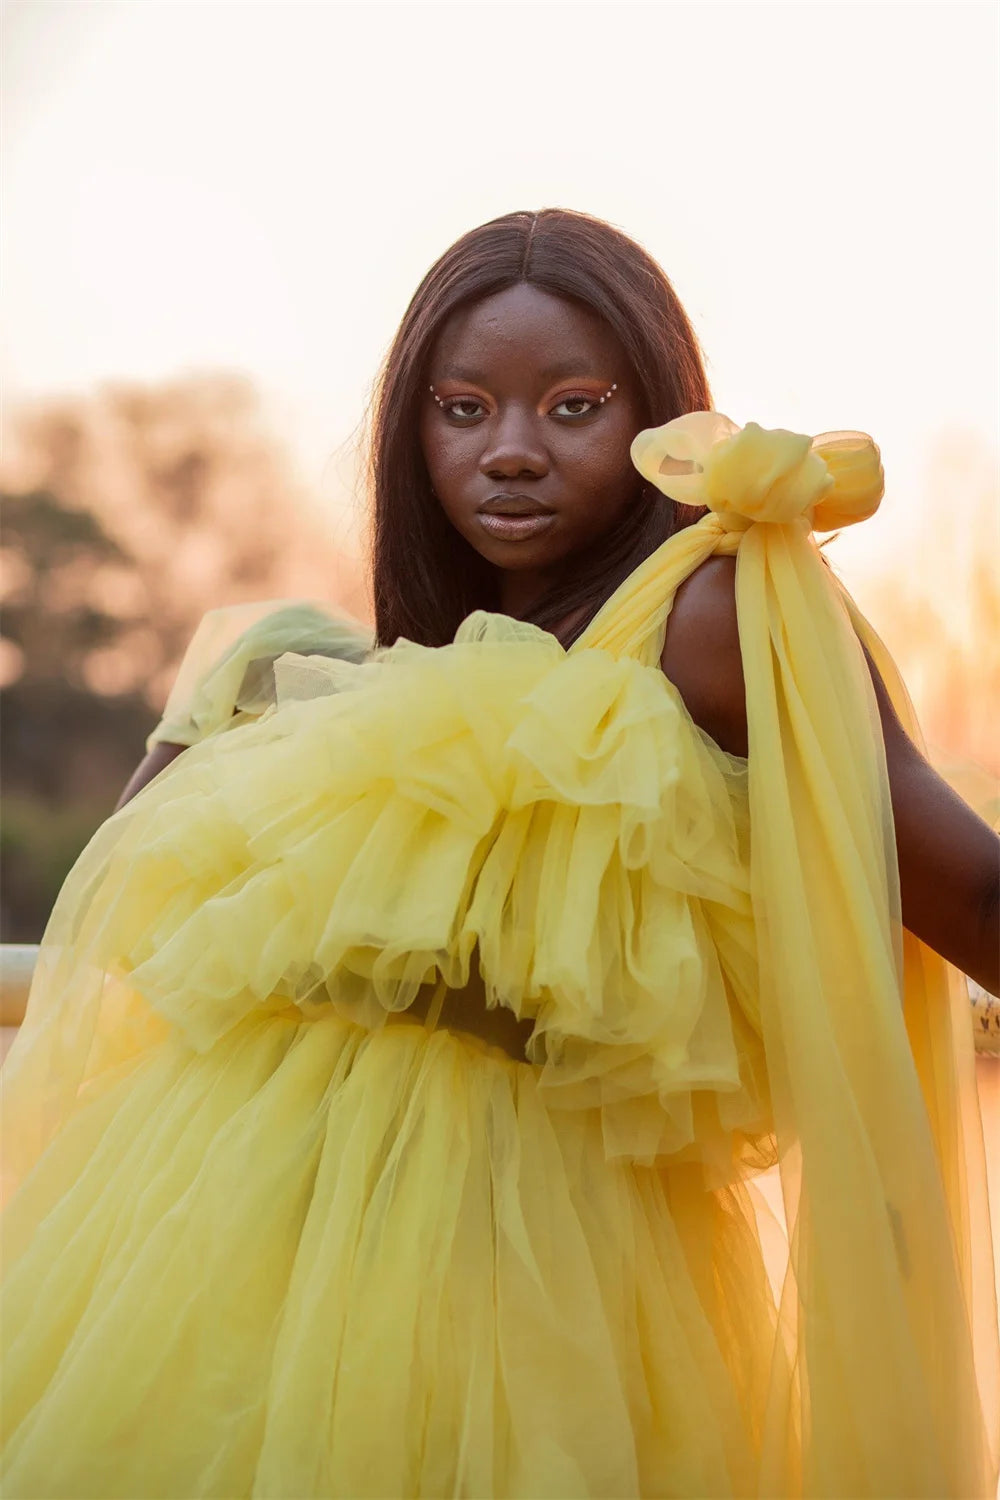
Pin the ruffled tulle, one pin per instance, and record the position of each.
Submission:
(357, 845)
(270, 1235)
(228, 667)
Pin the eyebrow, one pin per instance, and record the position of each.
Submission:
(558, 371)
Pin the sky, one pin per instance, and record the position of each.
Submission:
(260, 187)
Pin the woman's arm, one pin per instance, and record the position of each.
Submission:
(153, 763)
(949, 859)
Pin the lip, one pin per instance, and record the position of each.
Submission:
(515, 528)
(515, 503)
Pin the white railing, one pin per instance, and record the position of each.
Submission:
(985, 1020)
(17, 964)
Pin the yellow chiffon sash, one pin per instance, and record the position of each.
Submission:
(869, 1051)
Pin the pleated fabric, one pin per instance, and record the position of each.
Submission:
(269, 1235)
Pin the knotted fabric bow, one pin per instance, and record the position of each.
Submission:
(750, 474)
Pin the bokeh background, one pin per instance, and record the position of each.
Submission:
(214, 214)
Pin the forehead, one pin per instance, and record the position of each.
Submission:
(525, 327)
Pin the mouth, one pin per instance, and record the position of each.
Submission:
(510, 503)
(514, 516)
(515, 527)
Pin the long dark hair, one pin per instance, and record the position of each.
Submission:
(426, 577)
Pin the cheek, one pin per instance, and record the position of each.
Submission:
(447, 461)
(603, 470)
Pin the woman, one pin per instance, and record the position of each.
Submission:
(400, 1061)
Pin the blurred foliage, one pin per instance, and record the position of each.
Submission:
(65, 752)
(126, 515)
(39, 842)
(936, 603)
(51, 543)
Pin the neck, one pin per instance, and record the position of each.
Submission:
(520, 592)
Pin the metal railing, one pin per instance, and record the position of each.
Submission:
(17, 964)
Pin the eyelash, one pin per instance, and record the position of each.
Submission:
(448, 406)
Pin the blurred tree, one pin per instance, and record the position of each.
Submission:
(65, 751)
(127, 515)
(190, 481)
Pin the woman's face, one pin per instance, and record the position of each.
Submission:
(521, 375)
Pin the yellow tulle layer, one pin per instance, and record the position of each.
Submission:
(316, 1260)
(268, 1235)
(356, 845)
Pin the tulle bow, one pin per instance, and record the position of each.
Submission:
(751, 474)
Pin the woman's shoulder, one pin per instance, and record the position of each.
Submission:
(701, 653)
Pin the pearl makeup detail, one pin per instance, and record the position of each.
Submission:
(606, 397)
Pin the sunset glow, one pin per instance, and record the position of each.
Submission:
(251, 192)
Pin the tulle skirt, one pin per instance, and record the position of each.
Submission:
(323, 1261)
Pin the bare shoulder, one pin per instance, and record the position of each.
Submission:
(706, 601)
(701, 653)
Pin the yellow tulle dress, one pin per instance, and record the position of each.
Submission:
(270, 1232)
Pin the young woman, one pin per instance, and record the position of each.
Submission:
(400, 1062)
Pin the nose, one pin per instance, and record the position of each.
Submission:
(513, 447)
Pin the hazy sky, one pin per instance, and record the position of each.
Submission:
(260, 187)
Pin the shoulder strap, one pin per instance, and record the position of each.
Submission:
(633, 621)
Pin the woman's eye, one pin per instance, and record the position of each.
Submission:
(576, 401)
(452, 407)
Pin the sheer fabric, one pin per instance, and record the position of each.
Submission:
(269, 1235)
(228, 668)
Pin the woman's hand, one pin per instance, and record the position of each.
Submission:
(949, 859)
